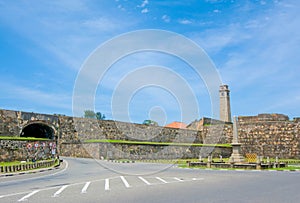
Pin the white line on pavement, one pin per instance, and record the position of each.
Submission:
(85, 187)
(145, 181)
(198, 179)
(106, 187)
(125, 181)
(27, 196)
(178, 179)
(60, 190)
(162, 180)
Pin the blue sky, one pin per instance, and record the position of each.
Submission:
(254, 45)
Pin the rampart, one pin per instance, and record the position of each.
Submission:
(266, 135)
(81, 137)
(270, 135)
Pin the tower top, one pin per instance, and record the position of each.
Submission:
(225, 112)
(224, 88)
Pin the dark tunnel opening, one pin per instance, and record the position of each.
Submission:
(38, 130)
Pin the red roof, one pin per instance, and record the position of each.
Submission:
(176, 125)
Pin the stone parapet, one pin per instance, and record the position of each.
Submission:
(137, 152)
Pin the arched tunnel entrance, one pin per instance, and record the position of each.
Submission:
(38, 130)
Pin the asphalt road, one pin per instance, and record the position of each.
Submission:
(87, 180)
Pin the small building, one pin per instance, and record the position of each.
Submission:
(176, 124)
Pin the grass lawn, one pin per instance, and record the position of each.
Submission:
(13, 163)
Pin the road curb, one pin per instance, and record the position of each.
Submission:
(243, 170)
(117, 161)
(60, 166)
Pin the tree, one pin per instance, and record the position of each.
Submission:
(100, 116)
(89, 114)
(150, 122)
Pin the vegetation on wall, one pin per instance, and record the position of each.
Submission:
(23, 138)
(156, 143)
(150, 122)
(92, 114)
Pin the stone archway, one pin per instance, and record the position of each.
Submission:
(38, 130)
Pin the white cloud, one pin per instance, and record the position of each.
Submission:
(145, 10)
(166, 18)
(144, 3)
(184, 21)
(121, 7)
(100, 24)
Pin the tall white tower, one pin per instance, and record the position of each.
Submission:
(225, 112)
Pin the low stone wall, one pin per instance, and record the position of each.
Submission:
(138, 152)
(19, 150)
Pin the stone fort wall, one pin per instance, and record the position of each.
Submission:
(270, 135)
(82, 129)
(265, 135)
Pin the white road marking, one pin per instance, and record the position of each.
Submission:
(125, 181)
(85, 187)
(106, 187)
(145, 181)
(162, 180)
(87, 184)
(198, 179)
(60, 190)
(67, 165)
(178, 179)
(27, 196)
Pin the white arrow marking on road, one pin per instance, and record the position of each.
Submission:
(60, 190)
(125, 181)
(27, 196)
(145, 181)
(178, 179)
(106, 184)
(162, 180)
(85, 187)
